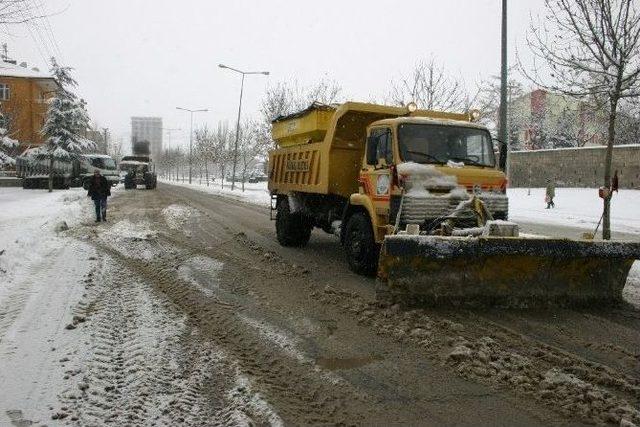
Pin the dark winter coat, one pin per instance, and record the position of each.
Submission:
(551, 190)
(99, 188)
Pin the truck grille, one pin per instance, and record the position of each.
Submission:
(426, 209)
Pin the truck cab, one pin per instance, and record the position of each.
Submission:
(88, 163)
(458, 159)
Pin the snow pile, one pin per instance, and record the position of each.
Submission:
(134, 240)
(575, 207)
(40, 281)
(455, 165)
(419, 178)
(177, 216)
(631, 292)
(28, 222)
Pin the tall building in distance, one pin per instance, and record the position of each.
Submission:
(148, 129)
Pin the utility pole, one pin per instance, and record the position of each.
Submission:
(235, 145)
(191, 136)
(503, 135)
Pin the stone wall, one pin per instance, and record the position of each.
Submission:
(574, 167)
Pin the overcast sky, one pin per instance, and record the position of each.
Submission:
(143, 57)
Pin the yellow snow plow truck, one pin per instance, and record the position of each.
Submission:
(416, 196)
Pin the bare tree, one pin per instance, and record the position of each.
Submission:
(249, 148)
(288, 97)
(592, 48)
(19, 11)
(205, 148)
(115, 148)
(628, 123)
(431, 87)
(222, 139)
(487, 101)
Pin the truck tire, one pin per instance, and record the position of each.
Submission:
(291, 227)
(360, 245)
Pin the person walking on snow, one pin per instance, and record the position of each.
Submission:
(551, 193)
(99, 190)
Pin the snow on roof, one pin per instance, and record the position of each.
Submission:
(590, 147)
(98, 156)
(12, 70)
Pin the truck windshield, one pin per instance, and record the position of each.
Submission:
(103, 163)
(422, 143)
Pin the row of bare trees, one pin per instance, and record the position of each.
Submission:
(213, 153)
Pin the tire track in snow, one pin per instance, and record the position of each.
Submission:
(299, 395)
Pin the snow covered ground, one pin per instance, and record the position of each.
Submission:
(28, 222)
(40, 282)
(256, 193)
(575, 207)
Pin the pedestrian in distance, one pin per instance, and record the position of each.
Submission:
(550, 194)
(99, 190)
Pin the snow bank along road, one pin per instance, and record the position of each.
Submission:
(183, 310)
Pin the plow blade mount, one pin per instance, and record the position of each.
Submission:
(503, 270)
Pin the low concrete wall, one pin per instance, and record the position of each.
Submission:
(10, 182)
(574, 167)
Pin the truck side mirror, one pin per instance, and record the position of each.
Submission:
(372, 145)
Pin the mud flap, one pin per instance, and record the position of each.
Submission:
(503, 271)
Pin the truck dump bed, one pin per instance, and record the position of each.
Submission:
(321, 148)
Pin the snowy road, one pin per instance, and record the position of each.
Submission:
(183, 310)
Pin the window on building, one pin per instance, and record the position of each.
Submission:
(4, 92)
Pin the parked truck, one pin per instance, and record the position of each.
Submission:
(138, 169)
(416, 196)
(75, 172)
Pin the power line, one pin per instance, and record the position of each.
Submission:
(34, 24)
(48, 29)
(33, 37)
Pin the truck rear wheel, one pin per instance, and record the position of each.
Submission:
(291, 227)
(360, 245)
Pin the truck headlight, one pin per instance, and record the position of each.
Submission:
(412, 106)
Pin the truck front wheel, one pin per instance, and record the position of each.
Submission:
(360, 245)
(291, 227)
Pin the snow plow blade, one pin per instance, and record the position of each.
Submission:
(505, 271)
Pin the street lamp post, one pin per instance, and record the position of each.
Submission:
(191, 135)
(235, 145)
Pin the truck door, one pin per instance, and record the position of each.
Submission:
(377, 172)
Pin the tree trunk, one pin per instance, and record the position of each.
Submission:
(51, 173)
(206, 171)
(222, 176)
(606, 213)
